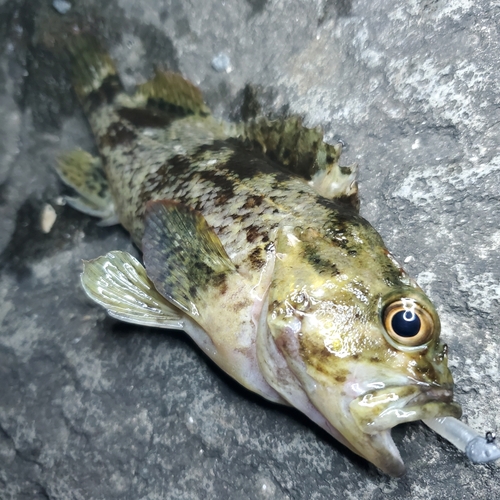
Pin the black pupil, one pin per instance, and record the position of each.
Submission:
(406, 324)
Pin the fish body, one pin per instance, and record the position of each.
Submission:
(253, 244)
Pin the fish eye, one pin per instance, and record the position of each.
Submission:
(407, 323)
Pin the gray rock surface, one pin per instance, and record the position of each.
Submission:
(94, 409)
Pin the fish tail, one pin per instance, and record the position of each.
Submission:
(94, 75)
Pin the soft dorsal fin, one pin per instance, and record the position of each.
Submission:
(303, 151)
(167, 90)
(182, 254)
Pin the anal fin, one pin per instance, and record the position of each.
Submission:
(119, 283)
(183, 255)
(83, 172)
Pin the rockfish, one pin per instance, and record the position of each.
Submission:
(252, 244)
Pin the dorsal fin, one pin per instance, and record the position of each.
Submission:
(171, 91)
(303, 151)
(285, 140)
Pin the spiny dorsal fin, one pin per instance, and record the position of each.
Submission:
(294, 146)
(169, 89)
(182, 254)
(303, 151)
(119, 283)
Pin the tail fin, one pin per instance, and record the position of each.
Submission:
(94, 74)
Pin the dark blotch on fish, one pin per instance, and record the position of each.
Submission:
(149, 118)
(253, 233)
(245, 162)
(256, 259)
(253, 201)
(105, 94)
(321, 265)
(117, 135)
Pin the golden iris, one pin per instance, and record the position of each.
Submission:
(407, 323)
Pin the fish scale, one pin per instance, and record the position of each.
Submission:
(146, 169)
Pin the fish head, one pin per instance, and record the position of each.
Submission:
(359, 335)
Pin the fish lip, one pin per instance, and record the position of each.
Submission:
(376, 411)
(432, 394)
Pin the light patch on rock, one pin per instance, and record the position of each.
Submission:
(486, 251)
(435, 87)
(5, 304)
(438, 178)
(45, 269)
(425, 279)
(490, 366)
(130, 56)
(451, 327)
(23, 339)
(23, 333)
(455, 9)
(265, 487)
(89, 370)
(141, 423)
(483, 290)
(409, 191)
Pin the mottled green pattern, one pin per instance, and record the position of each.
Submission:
(252, 231)
(170, 89)
(85, 175)
(182, 255)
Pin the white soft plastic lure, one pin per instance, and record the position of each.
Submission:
(479, 449)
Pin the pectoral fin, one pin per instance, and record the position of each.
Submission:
(119, 283)
(183, 255)
(83, 172)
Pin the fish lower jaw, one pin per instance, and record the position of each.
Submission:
(395, 409)
(376, 413)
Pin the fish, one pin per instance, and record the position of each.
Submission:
(252, 243)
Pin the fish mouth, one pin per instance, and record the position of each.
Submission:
(380, 410)
(375, 413)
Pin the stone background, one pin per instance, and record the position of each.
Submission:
(94, 409)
